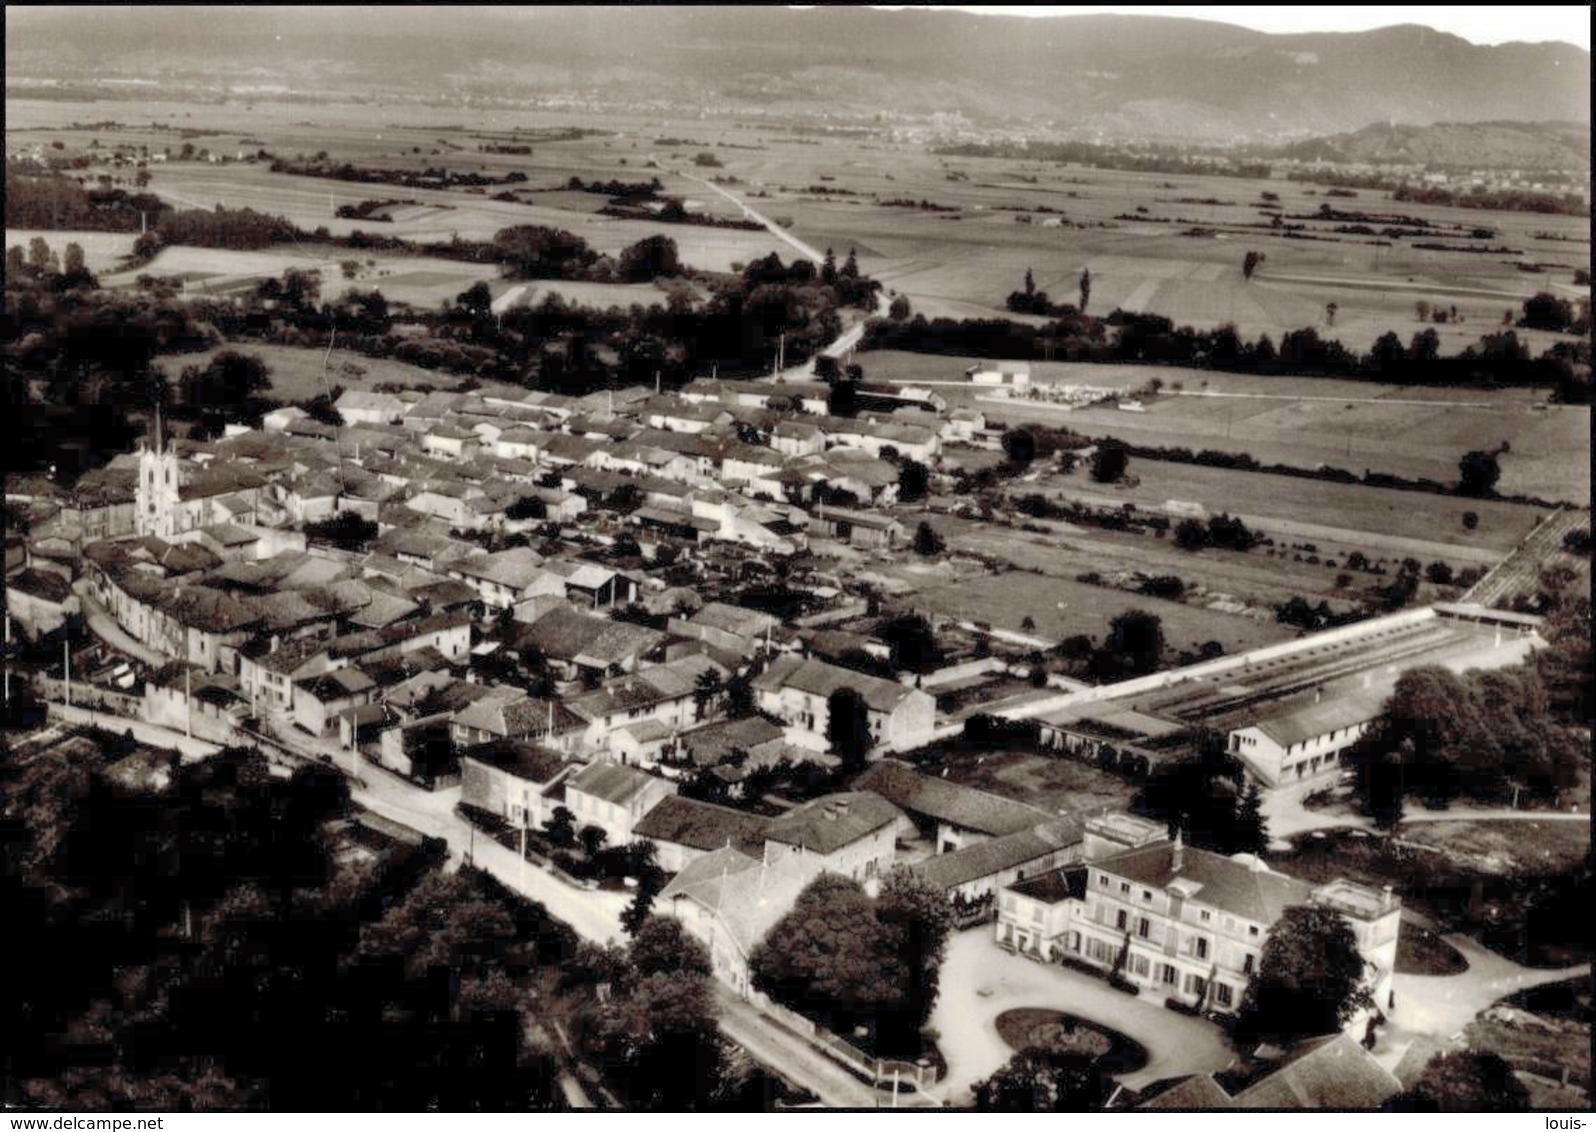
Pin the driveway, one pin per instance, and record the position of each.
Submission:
(966, 1018)
(1441, 1005)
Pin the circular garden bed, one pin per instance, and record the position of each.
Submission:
(1058, 1032)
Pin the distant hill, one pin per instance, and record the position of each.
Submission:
(1461, 145)
(1106, 75)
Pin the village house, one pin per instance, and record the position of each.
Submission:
(319, 699)
(729, 901)
(500, 579)
(513, 780)
(683, 829)
(853, 835)
(614, 798)
(798, 692)
(662, 692)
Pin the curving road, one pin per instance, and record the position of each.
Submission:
(849, 339)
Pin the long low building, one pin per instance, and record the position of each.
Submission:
(1290, 711)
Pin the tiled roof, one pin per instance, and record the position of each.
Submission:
(610, 781)
(700, 825)
(988, 858)
(1227, 884)
(747, 896)
(1312, 720)
(1333, 1072)
(1195, 1092)
(961, 806)
(818, 678)
(528, 761)
(832, 821)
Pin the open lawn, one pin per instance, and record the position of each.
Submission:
(1257, 579)
(1290, 500)
(1507, 847)
(298, 373)
(1063, 607)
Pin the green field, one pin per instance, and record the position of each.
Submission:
(1404, 430)
(299, 374)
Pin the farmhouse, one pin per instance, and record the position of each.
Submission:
(683, 829)
(614, 798)
(512, 780)
(853, 835)
(798, 692)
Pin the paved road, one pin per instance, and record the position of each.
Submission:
(979, 982)
(797, 1060)
(849, 339)
(104, 626)
(594, 915)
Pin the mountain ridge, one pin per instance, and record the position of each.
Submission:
(1108, 74)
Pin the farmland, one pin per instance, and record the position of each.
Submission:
(298, 373)
(1411, 431)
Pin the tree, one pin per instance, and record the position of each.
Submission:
(850, 268)
(1191, 534)
(1110, 461)
(913, 643)
(560, 826)
(1477, 474)
(661, 946)
(650, 881)
(830, 957)
(650, 258)
(39, 254)
(16, 262)
(1042, 1080)
(655, 1031)
(1330, 310)
(921, 919)
(899, 310)
(927, 543)
(848, 726)
(1309, 981)
(1030, 282)
(828, 269)
(1086, 286)
(592, 838)
(1019, 445)
(1422, 309)
(476, 299)
(707, 688)
(740, 700)
(72, 261)
(230, 386)
(1250, 262)
(1251, 830)
(1468, 1081)
(1135, 641)
(914, 480)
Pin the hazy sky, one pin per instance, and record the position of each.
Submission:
(1489, 24)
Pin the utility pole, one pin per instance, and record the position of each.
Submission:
(66, 656)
